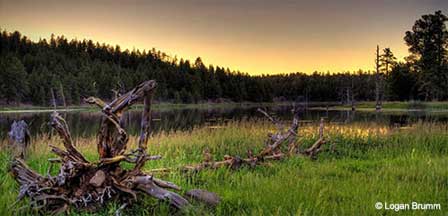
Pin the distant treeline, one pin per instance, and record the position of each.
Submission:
(37, 72)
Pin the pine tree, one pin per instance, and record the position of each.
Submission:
(387, 61)
(13, 83)
(428, 43)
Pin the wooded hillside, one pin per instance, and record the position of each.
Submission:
(32, 72)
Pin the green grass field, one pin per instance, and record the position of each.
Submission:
(370, 164)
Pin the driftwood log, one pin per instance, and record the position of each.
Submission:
(272, 150)
(84, 184)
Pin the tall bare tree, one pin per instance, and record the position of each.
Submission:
(61, 92)
(378, 105)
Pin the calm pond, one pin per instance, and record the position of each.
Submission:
(86, 123)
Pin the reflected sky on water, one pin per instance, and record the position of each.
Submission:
(86, 123)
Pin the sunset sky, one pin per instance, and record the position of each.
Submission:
(254, 36)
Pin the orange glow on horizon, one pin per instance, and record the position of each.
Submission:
(257, 38)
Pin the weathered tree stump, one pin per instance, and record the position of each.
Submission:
(19, 138)
(84, 184)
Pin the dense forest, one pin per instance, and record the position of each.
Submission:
(66, 71)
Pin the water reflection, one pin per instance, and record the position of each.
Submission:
(86, 124)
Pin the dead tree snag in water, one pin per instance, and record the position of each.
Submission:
(84, 184)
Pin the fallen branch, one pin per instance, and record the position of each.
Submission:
(272, 151)
(316, 147)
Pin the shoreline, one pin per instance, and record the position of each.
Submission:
(367, 106)
(156, 106)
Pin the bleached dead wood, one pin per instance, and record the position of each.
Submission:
(316, 147)
(19, 137)
(272, 150)
(84, 184)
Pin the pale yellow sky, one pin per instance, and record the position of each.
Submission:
(254, 36)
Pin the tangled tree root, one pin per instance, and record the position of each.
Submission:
(88, 185)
